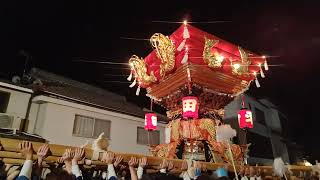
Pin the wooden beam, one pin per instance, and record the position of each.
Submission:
(10, 153)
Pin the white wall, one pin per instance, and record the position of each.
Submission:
(56, 118)
(18, 102)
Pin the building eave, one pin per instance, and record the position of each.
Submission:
(15, 87)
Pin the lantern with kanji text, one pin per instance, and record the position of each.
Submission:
(190, 107)
(245, 118)
(150, 121)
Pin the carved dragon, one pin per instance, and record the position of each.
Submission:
(140, 69)
(165, 51)
(214, 60)
(243, 67)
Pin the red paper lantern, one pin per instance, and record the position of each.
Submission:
(245, 118)
(190, 107)
(150, 121)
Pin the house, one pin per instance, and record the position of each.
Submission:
(268, 135)
(68, 112)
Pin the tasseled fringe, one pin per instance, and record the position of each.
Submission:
(257, 82)
(133, 83)
(182, 44)
(261, 73)
(138, 91)
(185, 58)
(167, 135)
(186, 34)
(130, 76)
(266, 66)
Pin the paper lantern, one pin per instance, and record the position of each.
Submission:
(245, 118)
(150, 121)
(190, 107)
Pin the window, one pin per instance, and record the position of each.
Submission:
(143, 136)
(90, 127)
(260, 116)
(4, 101)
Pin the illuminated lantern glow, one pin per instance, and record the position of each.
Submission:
(150, 121)
(245, 118)
(190, 107)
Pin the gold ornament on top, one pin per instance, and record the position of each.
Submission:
(165, 51)
(140, 68)
(241, 68)
(214, 60)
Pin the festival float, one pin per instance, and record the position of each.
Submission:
(193, 75)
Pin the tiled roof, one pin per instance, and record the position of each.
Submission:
(83, 92)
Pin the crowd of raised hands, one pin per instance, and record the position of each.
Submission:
(73, 165)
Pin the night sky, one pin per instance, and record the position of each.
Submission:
(58, 34)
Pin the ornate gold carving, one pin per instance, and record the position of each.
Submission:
(214, 60)
(165, 51)
(165, 150)
(208, 125)
(172, 114)
(140, 69)
(243, 67)
(175, 126)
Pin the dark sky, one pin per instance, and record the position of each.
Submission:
(58, 33)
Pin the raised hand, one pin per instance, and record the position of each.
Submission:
(133, 162)
(42, 153)
(60, 160)
(108, 157)
(170, 165)
(164, 164)
(67, 155)
(117, 161)
(26, 149)
(184, 166)
(78, 155)
(143, 162)
(204, 167)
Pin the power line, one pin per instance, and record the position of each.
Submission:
(191, 22)
(132, 38)
(101, 62)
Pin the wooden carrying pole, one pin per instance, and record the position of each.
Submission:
(10, 154)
